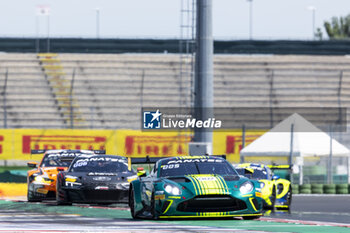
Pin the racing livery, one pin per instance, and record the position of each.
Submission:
(194, 186)
(95, 179)
(276, 192)
(42, 179)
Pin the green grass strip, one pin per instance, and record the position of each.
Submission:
(47, 208)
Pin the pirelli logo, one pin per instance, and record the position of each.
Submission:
(234, 143)
(156, 145)
(54, 142)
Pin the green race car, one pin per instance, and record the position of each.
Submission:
(194, 186)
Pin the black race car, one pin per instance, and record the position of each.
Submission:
(95, 179)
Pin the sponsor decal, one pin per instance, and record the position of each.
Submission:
(234, 143)
(54, 142)
(209, 178)
(138, 145)
(43, 191)
(65, 154)
(1, 140)
(102, 178)
(174, 197)
(195, 161)
(159, 197)
(102, 174)
(85, 161)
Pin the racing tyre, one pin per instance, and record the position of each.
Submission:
(305, 189)
(317, 188)
(329, 189)
(295, 188)
(61, 195)
(30, 196)
(132, 203)
(342, 189)
(289, 196)
(272, 199)
(250, 217)
(152, 209)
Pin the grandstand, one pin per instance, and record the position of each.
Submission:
(110, 89)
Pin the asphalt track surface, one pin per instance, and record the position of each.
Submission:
(324, 208)
(309, 213)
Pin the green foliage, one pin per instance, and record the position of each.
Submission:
(319, 34)
(338, 28)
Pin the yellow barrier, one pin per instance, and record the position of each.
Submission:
(13, 189)
(15, 144)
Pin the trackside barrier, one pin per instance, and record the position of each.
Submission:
(317, 188)
(321, 189)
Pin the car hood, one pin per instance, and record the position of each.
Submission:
(205, 184)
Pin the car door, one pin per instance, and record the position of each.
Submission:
(147, 186)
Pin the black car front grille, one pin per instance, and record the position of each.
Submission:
(104, 195)
(51, 194)
(212, 203)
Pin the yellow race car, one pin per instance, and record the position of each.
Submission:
(276, 192)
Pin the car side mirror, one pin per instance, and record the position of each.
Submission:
(32, 164)
(276, 177)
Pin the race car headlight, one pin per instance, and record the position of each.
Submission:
(71, 178)
(131, 178)
(246, 187)
(262, 185)
(41, 179)
(71, 181)
(124, 185)
(171, 189)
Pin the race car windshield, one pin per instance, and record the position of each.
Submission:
(256, 175)
(56, 161)
(99, 166)
(192, 168)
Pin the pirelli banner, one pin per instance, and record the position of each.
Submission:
(16, 144)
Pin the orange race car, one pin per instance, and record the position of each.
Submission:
(42, 179)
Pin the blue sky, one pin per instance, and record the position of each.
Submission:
(272, 19)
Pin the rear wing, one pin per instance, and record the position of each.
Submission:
(145, 160)
(221, 156)
(99, 152)
(37, 152)
(150, 160)
(279, 167)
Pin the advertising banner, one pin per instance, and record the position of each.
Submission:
(15, 144)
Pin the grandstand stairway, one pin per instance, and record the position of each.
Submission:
(61, 88)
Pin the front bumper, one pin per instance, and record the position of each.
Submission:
(97, 196)
(44, 191)
(209, 206)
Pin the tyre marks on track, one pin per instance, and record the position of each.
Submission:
(20, 221)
